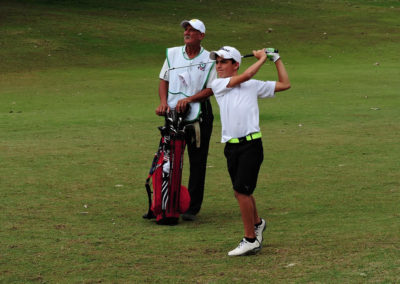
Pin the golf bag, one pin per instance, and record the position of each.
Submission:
(170, 198)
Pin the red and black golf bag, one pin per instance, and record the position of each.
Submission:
(170, 198)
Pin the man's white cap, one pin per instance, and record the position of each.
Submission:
(195, 23)
(227, 52)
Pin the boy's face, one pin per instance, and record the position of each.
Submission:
(225, 67)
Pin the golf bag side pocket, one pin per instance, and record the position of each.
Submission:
(157, 181)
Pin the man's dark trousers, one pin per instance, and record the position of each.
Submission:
(198, 159)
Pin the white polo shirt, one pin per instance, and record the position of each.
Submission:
(239, 106)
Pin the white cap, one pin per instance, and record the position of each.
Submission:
(195, 23)
(227, 52)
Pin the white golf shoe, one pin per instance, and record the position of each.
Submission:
(246, 248)
(259, 230)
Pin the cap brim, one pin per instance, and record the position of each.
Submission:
(220, 53)
(185, 23)
(213, 55)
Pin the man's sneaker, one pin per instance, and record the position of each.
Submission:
(188, 217)
(246, 248)
(259, 230)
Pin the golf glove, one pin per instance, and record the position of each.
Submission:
(272, 55)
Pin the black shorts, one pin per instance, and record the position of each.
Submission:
(244, 161)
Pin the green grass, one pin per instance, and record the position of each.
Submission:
(78, 90)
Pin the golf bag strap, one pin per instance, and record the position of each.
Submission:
(149, 214)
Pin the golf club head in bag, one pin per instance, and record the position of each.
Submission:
(175, 120)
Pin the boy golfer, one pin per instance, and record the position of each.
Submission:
(237, 99)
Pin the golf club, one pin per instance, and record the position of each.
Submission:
(243, 56)
(266, 50)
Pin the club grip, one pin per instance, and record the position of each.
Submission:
(251, 55)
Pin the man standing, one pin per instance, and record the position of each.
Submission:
(185, 79)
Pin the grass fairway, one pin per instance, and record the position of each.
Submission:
(78, 90)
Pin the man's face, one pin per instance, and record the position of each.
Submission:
(225, 67)
(191, 36)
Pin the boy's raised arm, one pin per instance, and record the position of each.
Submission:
(283, 82)
(251, 71)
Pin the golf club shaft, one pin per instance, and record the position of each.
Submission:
(250, 55)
